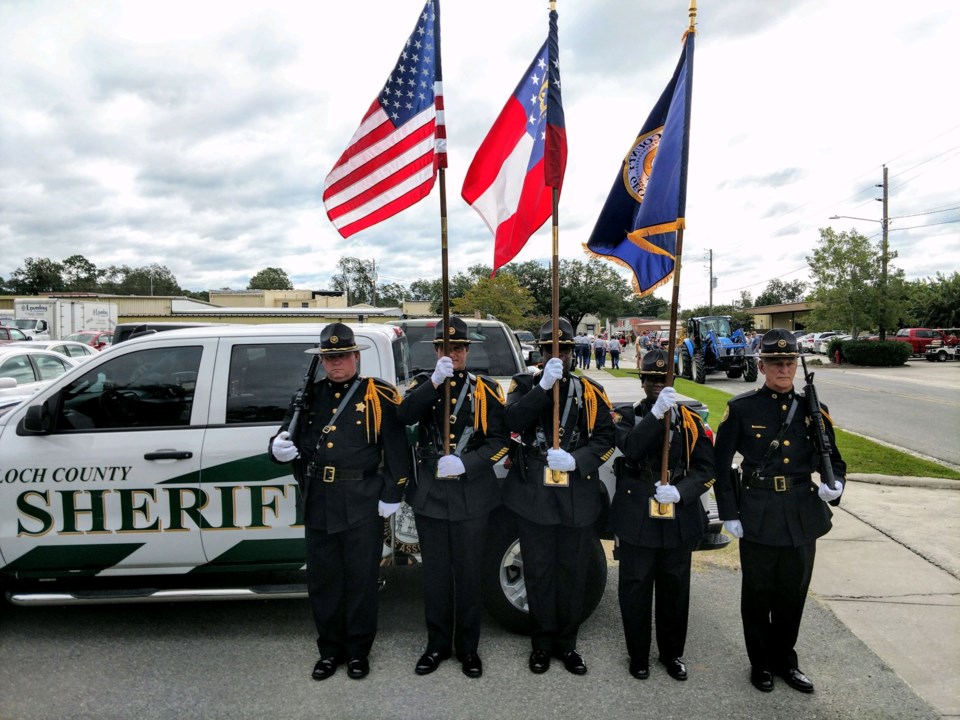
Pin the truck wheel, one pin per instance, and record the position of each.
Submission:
(700, 370)
(686, 366)
(504, 590)
(750, 371)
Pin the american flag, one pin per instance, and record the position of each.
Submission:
(393, 157)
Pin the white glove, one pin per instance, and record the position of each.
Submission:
(552, 372)
(826, 494)
(666, 400)
(450, 466)
(443, 370)
(387, 509)
(734, 528)
(667, 494)
(283, 448)
(560, 460)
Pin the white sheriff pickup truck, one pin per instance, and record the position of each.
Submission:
(142, 475)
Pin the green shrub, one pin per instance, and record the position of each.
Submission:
(833, 346)
(888, 353)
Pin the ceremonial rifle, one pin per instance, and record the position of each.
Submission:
(302, 396)
(820, 429)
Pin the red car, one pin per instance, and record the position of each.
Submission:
(94, 338)
(11, 334)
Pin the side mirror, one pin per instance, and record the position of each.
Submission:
(37, 419)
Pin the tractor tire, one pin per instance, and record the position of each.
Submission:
(686, 365)
(750, 370)
(700, 369)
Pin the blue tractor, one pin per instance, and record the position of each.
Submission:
(710, 346)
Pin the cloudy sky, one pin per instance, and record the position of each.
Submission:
(198, 134)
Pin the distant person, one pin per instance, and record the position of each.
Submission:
(656, 553)
(600, 350)
(613, 347)
(779, 512)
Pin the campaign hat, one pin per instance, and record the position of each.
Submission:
(337, 339)
(778, 343)
(457, 333)
(566, 333)
(654, 363)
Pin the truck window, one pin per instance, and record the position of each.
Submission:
(147, 389)
(401, 362)
(263, 379)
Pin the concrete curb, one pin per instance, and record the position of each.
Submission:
(924, 482)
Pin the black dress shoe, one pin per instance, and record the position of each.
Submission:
(574, 663)
(761, 679)
(676, 668)
(639, 669)
(797, 680)
(325, 667)
(539, 661)
(471, 666)
(358, 668)
(430, 661)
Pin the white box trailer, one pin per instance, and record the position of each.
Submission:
(54, 319)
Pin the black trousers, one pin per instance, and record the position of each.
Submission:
(555, 563)
(645, 570)
(452, 553)
(775, 583)
(342, 572)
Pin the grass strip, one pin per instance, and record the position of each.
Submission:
(860, 454)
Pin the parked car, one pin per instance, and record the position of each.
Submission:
(10, 334)
(76, 350)
(805, 342)
(24, 371)
(97, 339)
(823, 345)
(918, 338)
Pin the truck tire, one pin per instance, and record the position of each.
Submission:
(700, 370)
(686, 365)
(750, 370)
(504, 591)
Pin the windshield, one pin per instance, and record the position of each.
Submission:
(719, 325)
(25, 324)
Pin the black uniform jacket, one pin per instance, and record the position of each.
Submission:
(363, 457)
(752, 421)
(480, 413)
(692, 473)
(529, 408)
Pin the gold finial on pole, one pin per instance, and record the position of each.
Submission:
(693, 16)
(553, 5)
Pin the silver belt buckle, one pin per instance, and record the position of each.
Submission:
(780, 483)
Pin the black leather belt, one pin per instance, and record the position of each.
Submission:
(330, 474)
(778, 483)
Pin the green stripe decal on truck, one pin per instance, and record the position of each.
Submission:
(287, 554)
(80, 560)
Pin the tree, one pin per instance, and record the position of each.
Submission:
(932, 302)
(80, 275)
(356, 277)
(646, 306)
(590, 287)
(536, 278)
(500, 296)
(739, 318)
(270, 278)
(152, 279)
(38, 275)
(846, 274)
(778, 292)
(392, 294)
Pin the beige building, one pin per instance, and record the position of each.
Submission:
(790, 316)
(303, 299)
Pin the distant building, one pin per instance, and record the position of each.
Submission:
(790, 316)
(279, 298)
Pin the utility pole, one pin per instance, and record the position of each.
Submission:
(373, 265)
(884, 256)
(712, 283)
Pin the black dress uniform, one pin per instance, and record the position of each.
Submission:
(779, 508)
(452, 512)
(557, 523)
(656, 552)
(353, 454)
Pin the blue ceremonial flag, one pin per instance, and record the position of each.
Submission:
(639, 221)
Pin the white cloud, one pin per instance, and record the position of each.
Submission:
(198, 134)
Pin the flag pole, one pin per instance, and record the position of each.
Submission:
(674, 306)
(555, 300)
(445, 304)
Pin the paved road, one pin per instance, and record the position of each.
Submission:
(252, 660)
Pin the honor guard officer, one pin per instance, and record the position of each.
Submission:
(658, 526)
(556, 494)
(777, 511)
(348, 427)
(453, 495)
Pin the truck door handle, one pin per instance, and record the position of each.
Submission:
(168, 455)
